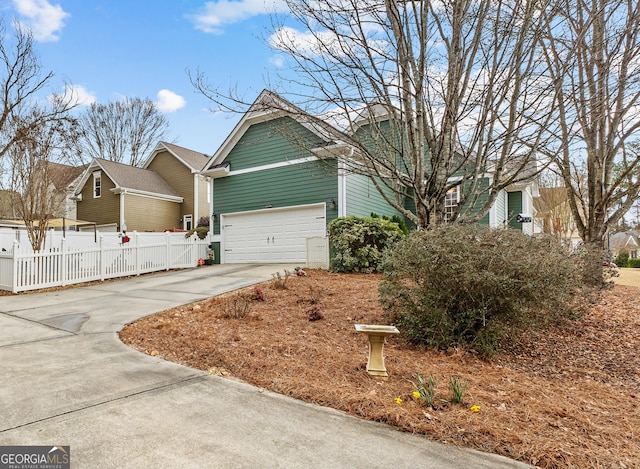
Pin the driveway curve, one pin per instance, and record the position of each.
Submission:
(68, 380)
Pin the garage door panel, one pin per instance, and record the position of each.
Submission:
(272, 236)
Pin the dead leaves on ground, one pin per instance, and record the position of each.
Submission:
(562, 398)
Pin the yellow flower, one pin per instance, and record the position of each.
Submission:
(398, 400)
(416, 395)
(474, 408)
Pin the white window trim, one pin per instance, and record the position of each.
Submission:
(457, 189)
(97, 175)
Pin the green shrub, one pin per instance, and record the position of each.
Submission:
(397, 219)
(467, 284)
(622, 260)
(201, 232)
(358, 243)
(634, 263)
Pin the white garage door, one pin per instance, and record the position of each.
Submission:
(272, 235)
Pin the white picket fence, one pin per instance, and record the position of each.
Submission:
(21, 269)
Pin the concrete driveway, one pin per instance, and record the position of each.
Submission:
(68, 380)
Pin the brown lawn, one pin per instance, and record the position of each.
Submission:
(565, 398)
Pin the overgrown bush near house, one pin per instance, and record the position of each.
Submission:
(467, 284)
(359, 242)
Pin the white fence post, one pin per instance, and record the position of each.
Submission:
(63, 259)
(136, 254)
(103, 268)
(168, 264)
(14, 281)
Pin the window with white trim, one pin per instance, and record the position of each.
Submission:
(97, 184)
(451, 199)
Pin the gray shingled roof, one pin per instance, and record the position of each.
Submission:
(194, 159)
(62, 175)
(131, 177)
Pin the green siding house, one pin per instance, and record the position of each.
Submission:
(271, 190)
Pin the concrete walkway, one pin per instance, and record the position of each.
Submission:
(68, 380)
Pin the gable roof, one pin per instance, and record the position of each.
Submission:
(622, 240)
(193, 160)
(129, 178)
(268, 106)
(62, 175)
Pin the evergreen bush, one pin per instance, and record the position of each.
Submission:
(622, 260)
(634, 263)
(358, 242)
(468, 284)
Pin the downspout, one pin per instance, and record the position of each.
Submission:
(122, 221)
(342, 188)
(196, 201)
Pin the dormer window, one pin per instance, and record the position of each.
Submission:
(97, 184)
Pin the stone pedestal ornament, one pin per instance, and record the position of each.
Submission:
(377, 337)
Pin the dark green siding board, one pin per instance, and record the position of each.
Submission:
(514, 207)
(482, 199)
(300, 184)
(363, 198)
(272, 142)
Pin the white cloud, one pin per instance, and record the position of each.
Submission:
(75, 95)
(168, 101)
(43, 19)
(277, 61)
(216, 14)
(308, 43)
(80, 95)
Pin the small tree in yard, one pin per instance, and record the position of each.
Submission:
(359, 242)
(32, 177)
(467, 284)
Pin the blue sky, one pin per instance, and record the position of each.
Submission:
(108, 49)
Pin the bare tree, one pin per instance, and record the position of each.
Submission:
(22, 80)
(553, 208)
(32, 177)
(431, 97)
(593, 52)
(122, 131)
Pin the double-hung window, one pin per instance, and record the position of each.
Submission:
(97, 184)
(451, 199)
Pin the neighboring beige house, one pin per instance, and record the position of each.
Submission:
(60, 181)
(8, 204)
(553, 215)
(167, 193)
(181, 167)
(64, 179)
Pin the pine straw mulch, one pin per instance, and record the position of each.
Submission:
(565, 398)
